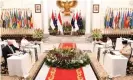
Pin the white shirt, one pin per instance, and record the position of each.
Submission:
(24, 42)
(126, 50)
(109, 43)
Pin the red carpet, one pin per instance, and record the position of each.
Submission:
(67, 45)
(65, 74)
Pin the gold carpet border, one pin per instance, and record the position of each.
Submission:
(52, 74)
(74, 45)
(60, 46)
(79, 74)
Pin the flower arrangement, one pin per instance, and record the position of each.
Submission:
(66, 58)
(38, 33)
(67, 28)
(97, 34)
(81, 32)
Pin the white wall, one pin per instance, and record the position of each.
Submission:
(41, 20)
(37, 17)
(93, 20)
(83, 5)
(98, 18)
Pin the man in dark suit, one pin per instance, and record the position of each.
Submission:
(8, 49)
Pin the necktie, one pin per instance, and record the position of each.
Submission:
(11, 49)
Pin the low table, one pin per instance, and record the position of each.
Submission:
(19, 65)
(115, 65)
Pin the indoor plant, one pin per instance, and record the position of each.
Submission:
(96, 34)
(67, 28)
(38, 34)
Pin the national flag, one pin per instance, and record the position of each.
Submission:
(132, 20)
(125, 21)
(122, 22)
(2, 16)
(128, 14)
(27, 19)
(31, 22)
(116, 21)
(119, 16)
(51, 22)
(59, 18)
(105, 19)
(55, 22)
(59, 23)
(8, 15)
(111, 19)
(73, 21)
(14, 20)
(80, 21)
(120, 25)
(22, 21)
(10, 19)
(77, 15)
(20, 18)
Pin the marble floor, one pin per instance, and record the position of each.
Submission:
(82, 43)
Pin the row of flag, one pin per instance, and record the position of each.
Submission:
(119, 19)
(57, 23)
(17, 18)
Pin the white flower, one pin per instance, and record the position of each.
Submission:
(49, 59)
(53, 60)
(73, 61)
(81, 61)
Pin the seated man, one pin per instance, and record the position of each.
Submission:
(126, 50)
(109, 42)
(8, 49)
(24, 41)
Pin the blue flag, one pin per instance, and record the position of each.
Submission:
(122, 22)
(80, 23)
(55, 23)
(132, 20)
(105, 19)
(72, 22)
(111, 20)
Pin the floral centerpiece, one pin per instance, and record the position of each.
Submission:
(96, 34)
(38, 34)
(67, 28)
(66, 58)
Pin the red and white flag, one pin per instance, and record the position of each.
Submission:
(76, 25)
(51, 21)
(59, 23)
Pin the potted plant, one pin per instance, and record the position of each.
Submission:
(81, 32)
(38, 34)
(96, 34)
(67, 28)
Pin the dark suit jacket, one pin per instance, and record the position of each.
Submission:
(6, 50)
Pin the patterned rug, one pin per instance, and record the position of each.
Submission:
(130, 67)
(3, 70)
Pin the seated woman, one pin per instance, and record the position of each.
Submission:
(126, 50)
